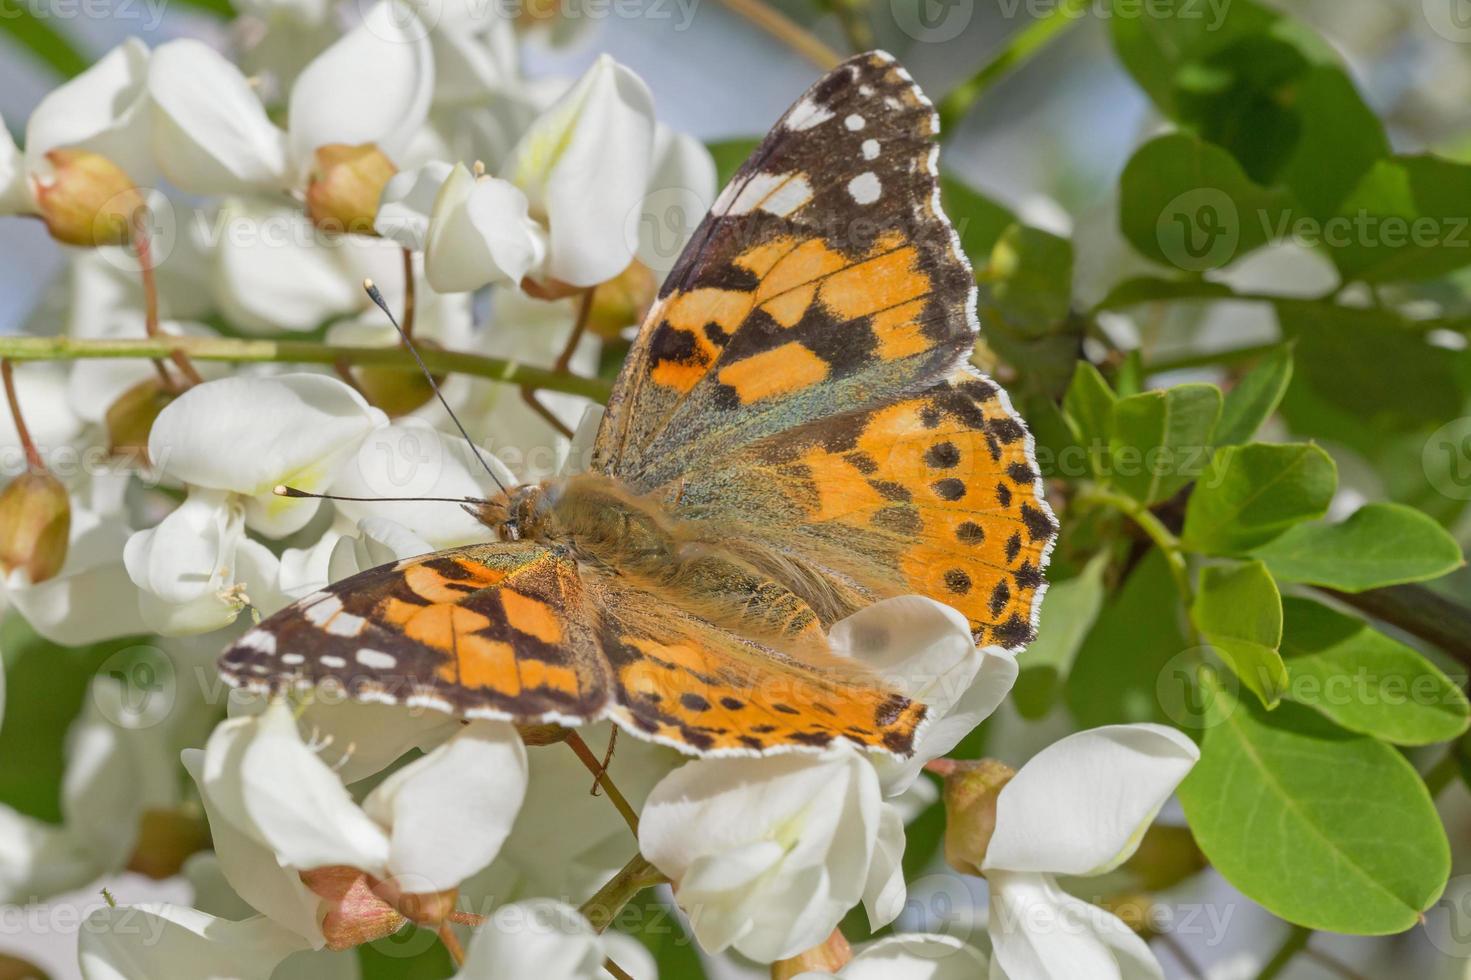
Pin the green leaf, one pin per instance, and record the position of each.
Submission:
(1116, 674)
(1089, 406)
(730, 154)
(1323, 828)
(978, 220)
(1152, 289)
(1380, 544)
(1365, 681)
(1339, 139)
(1254, 398)
(1239, 613)
(1406, 219)
(41, 40)
(220, 8)
(1068, 612)
(414, 953)
(656, 925)
(1024, 301)
(1254, 493)
(1187, 203)
(1161, 439)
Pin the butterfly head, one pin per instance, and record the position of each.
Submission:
(521, 513)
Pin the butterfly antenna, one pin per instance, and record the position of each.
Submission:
(282, 490)
(377, 298)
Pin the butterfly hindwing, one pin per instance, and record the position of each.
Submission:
(825, 276)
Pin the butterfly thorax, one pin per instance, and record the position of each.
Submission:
(696, 565)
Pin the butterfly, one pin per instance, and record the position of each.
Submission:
(795, 434)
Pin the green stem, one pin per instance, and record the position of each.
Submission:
(1021, 48)
(1152, 526)
(241, 351)
(1295, 943)
(603, 908)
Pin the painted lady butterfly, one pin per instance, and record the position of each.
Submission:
(796, 434)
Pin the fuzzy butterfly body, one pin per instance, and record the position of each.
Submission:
(796, 434)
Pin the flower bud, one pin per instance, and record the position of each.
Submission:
(87, 200)
(355, 915)
(830, 957)
(423, 908)
(532, 735)
(971, 789)
(397, 390)
(35, 525)
(166, 839)
(622, 301)
(345, 185)
(15, 968)
(130, 418)
(1167, 855)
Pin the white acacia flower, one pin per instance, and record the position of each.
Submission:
(104, 110)
(212, 135)
(549, 940)
(277, 809)
(245, 435)
(411, 458)
(143, 942)
(558, 211)
(1078, 808)
(768, 854)
(910, 956)
(924, 649)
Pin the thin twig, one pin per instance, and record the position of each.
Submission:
(249, 351)
(575, 742)
(1296, 942)
(33, 455)
(1418, 611)
(635, 876)
(143, 246)
(452, 943)
(563, 363)
(1022, 47)
(786, 30)
(617, 971)
(408, 316)
(1182, 955)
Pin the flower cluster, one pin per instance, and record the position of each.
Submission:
(216, 199)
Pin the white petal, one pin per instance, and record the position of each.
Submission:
(538, 938)
(372, 86)
(184, 565)
(1081, 805)
(942, 733)
(884, 892)
(297, 804)
(410, 458)
(381, 541)
(142, 942)
(274, 272)
(719, 891)
(408, 201)
(1038, 931)
(920, 647)
(584, 438)
(251, 868)
(15, 193)
(104, 110)
(680, 191)
(38, 859)
(586, 164)
(248, 434)
(359, 740)
(916, 956)
(211, 133)
(479, 233)
(451, 810)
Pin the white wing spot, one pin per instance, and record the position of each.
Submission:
(320, 613)
(865, 90)
(778, 194)
(260, 641)
(806, 114)
(854, 122)
(336, 663)
(865, 188)
(870, 149)
(346, 624)
(376, 659)
(292, 659)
